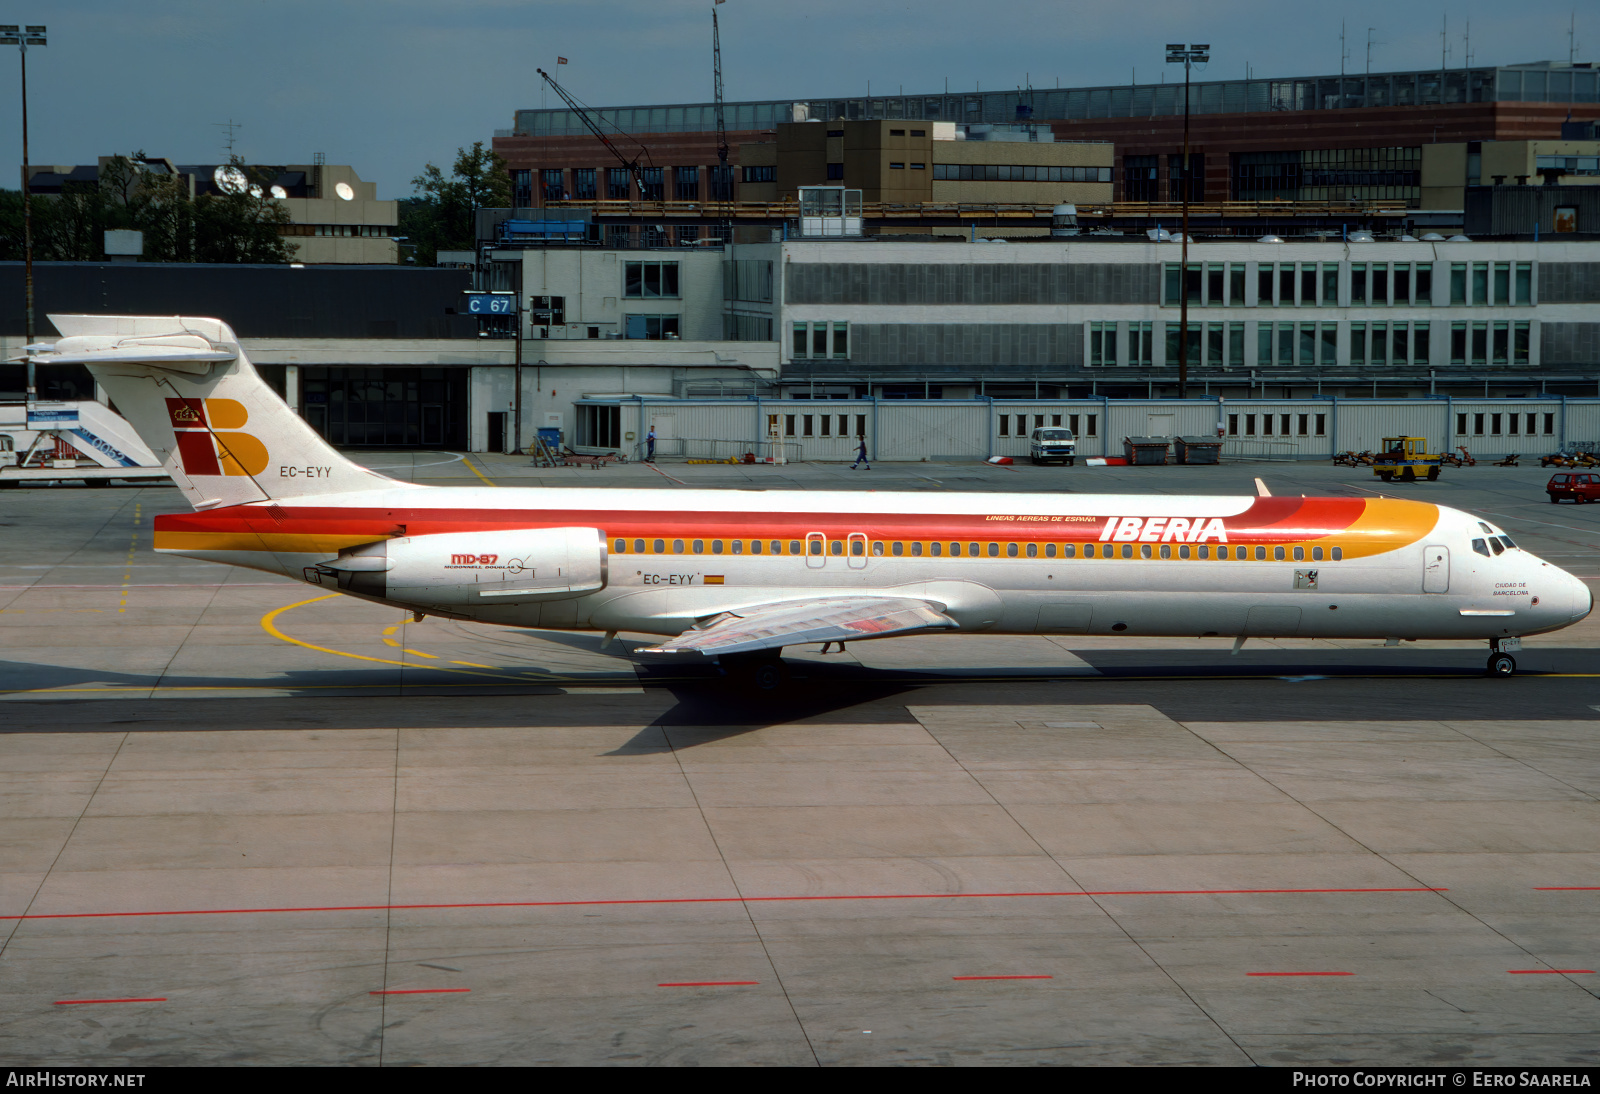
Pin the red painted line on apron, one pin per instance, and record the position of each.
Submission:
(1299, 974)
(1566, 888)
(1031, 976)
(707, 983)
(703, 900)
(418, 991)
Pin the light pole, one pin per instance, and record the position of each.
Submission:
(22, 37)
(1178, 54)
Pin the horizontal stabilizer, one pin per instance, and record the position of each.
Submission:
(190, 354)
(823, 619)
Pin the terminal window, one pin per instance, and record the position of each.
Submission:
(650, 279)
(617, 183)
(652, 327)
(820, 340)
(686, 183)
(553, 187)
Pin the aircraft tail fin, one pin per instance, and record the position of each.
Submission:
(191, 394)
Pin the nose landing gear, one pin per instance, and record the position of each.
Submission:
(1501, 663)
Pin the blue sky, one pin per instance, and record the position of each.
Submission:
(387, 85)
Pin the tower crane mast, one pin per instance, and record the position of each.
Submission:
(716, 70)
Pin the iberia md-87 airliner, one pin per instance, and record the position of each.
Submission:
(736, 575)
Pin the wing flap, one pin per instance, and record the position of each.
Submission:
(791, 622)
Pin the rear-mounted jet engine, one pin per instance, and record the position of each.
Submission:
(464, 568)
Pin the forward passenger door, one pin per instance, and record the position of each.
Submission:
(1435, 568)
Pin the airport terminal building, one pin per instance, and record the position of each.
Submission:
(384, 355)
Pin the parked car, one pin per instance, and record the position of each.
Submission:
(1053, 443)
(1580, 486)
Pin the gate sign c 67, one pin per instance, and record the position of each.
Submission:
(491, 303)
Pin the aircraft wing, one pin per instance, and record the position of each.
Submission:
(823, 619)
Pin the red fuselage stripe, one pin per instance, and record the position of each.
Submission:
(1268, 520)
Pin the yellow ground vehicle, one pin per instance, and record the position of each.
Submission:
(1406, 458)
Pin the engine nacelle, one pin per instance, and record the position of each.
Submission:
(518, 566)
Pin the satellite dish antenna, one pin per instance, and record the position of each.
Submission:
(279, 192)
(230, 180)
(343, 190)
(256, 191)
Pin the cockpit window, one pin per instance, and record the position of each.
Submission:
(1507, 541)
(1494, 541)
(1481, 546)
(1487, 530)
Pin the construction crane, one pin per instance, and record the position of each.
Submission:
(722, 128)
(593, 126)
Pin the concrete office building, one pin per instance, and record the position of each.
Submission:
(334, 216)
(933, 162)
(1352, 137)
(879, 318)
(1449, 169)
(1102, 318)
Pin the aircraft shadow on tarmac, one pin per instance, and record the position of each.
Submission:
(685, 705)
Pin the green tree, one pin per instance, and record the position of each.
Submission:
(71, 227)
(234, 228)
(166, 217)
(442, 216)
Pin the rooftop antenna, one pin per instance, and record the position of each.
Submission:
(1344, 48)
(1444, 42)
(1466, 47)
(1572, 38)
(231, 128)
(1370, 44)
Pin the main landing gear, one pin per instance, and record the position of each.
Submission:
(762, 672)
(1501, 663)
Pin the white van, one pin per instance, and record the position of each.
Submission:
(1053, 442)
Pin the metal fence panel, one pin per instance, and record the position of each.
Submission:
(1159, 418)
(969, 429)
(1499, 427)
(1088, 427)
(933, 430)
(1363, 423)
(1582, 421)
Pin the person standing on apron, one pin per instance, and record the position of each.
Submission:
(650, 445)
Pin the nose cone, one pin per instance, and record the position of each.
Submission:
(1582, 600)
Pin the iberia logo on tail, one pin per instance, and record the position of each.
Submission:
(208, 439)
